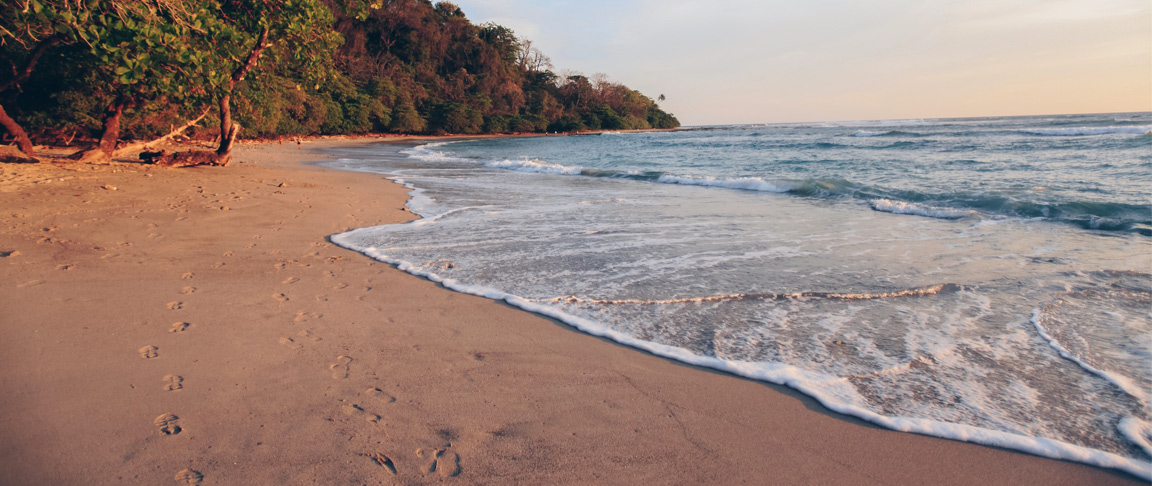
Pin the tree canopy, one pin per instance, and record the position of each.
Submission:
(103, 69)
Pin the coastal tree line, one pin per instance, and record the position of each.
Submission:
(113, 70)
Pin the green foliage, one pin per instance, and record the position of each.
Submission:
(329, 67)
(567, 123)
(406, 120)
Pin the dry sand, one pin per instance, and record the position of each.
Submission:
(194, 326)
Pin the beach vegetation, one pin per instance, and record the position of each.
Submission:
(102, 70)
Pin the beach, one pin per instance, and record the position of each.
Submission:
(196, 326)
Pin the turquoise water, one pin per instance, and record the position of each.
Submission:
(987, 280)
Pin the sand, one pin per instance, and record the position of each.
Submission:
(194, 326)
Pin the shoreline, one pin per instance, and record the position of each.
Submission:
(302, 361)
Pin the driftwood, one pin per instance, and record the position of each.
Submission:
(12, 155)
(127, 149)
(192, 157)
(186, 159)
(92, 156)
(150, 157)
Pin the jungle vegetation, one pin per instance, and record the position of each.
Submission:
(112, 70)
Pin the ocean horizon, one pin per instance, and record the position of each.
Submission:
(979, 279)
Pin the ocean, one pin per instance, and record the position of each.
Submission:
(979, 279)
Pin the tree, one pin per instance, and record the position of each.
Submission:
(142, 51)
(28, 29)
(406, 120)
(299, 31)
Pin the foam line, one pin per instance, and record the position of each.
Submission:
(825, 389)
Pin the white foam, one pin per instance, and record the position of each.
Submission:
(866, 133)
(535, 166)
(742, 183)
(426, 152)
(876, 123)
(835, 393)
(1138, 431)
(1123, 382)
(901, 207)
(1072, 132)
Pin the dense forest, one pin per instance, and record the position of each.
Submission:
(113, 70)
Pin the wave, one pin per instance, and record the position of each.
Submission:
(830, 391)
(1099, 216)
(428, 153)
(888, 133)
(901, 207)
(743, 183)
(916, 292)
(873, 123)
(1085, 131)
(535, 166)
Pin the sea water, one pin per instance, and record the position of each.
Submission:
(986, 280)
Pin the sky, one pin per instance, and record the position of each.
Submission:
(769, 61)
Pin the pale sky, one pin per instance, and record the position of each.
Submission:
(765, 61)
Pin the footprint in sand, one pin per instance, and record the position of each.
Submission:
(442, 461)
(65, 267)
(169, 424)
(306, 334)
(280, 297)
(228, 253)
(149, 352)
(188, 290)
(189, 477)
(382, 461)
(175, 305)
(173, 382)
(340, 367)
(290, 281)
(290, 343)
(31, 283)
(302, 316)
(179, 327)
(188, 276)
(353, 410)
(379, 395)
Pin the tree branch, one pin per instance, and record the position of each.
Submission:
(28, 66)
(142, 145)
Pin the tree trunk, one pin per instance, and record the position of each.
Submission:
(111, 133)
(225, 122)
(6, 121)
(21, 138)
(227, 133)
(102, 154)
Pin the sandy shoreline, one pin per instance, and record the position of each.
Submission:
(194, 326)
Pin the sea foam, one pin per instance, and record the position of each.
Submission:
(832, 392)
(742, 183)
(535, 166)
(901, 207)
(1083, 131)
